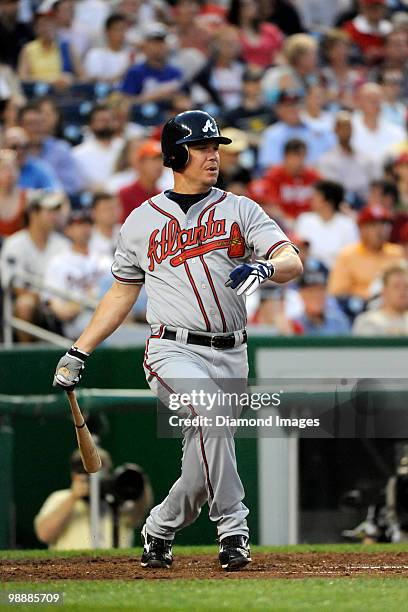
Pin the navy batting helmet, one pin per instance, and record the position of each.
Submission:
(184, 129)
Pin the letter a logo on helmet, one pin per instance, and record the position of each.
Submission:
(209, 126)
(184, 130)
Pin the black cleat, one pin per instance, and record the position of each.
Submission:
(156, 552)
(234, 552)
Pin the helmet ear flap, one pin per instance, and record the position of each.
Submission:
(180, 156)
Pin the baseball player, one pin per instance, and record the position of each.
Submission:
(192, 247)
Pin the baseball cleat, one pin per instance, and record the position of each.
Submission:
(234, 552)
(156, 552)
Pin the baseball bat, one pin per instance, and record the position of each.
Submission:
(89, 453)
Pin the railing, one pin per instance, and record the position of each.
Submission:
(10, 322)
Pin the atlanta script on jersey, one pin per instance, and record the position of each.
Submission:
(185, 259)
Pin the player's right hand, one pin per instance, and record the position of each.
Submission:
(69, 369)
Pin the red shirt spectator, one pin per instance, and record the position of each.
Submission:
(287, 187)
(150, 168)
(262, 50)
(369, 29)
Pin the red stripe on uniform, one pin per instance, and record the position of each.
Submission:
(190, 278)
(275, 246)
(210, 280)
(199, 300)
(168, 388)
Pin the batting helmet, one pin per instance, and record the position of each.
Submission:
(184, 129)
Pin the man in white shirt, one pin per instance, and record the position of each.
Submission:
(325, 228)
(98, 153)
(78, 273)
(391, 318)
(109, 63)
(105, 215)
(371, 133)
(25, 254)
(343, 164)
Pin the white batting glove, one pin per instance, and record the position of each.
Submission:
(248, 277)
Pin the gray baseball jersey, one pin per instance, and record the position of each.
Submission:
(185, 259)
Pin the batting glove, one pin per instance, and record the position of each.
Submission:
(248, 277)
(69, 369)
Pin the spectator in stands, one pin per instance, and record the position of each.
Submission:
(369, 29)
(233, 176)
(313, 114)
(326, 229)
(288, 126)
(300, 70)
(188, 25)
(283, 14)
(46, 58)
(125, 170)
(105, 213)
(51, 117)
(150, 167)
(121, 107)
(34, 173)
(154, 79)
(252, 115)
(109, 64)
(340, 79)
(358, 265)
(396, 56)
(63, 521)
(271, 311)
(14, 34)
(286, 189)
(393, 108)
(222, 76)
(260, 40)
(54, 151)
(27, 253)
(72, 34)
(344, 165)
(391, 317)
(320, 318)
(12, 197)
(77, 272)
(370, 131)
(97, 155)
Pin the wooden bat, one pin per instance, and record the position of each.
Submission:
(89, 453)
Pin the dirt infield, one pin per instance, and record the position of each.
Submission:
(270, 565)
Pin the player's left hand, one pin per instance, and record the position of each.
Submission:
(248, 277)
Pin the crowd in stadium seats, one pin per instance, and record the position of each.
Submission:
(313, 95)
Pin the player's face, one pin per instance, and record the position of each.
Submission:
(203, 164)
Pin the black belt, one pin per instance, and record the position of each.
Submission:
(216, 341)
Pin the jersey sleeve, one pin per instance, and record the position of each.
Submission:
(262, 234)
(125, 267)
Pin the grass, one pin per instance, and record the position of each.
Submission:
(315, 594)
(312, 594)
